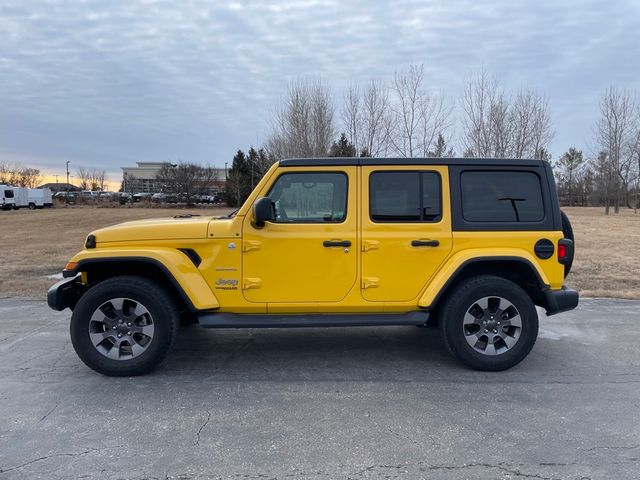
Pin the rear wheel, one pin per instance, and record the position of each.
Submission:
(489, 323)
(124, 326)
(567, 231)
(32, 206)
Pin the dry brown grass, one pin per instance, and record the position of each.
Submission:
(607, 262)
(38, 243)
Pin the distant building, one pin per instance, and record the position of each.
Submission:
(60, 187)
(142, 179)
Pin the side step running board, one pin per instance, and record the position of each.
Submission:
(234, 320)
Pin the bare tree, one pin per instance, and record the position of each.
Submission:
(17, 175)
(376, 119)
(186, 179)
(484, 117)
(366, 117)
(418, 116)
(29, 177)
(84, 177)
(7, 173)
(616, 134)
(531, 124)
(302, 125)
(496, 124)
(97, 179)
(352, 115)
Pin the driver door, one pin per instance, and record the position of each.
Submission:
(307, 254)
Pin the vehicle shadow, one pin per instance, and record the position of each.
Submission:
(338, 353)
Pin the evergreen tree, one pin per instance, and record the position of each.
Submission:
(342, 148)
(569, 165)
(543, 154)
(365, 152)
(238, 180)
(441, 150)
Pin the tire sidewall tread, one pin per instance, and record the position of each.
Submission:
(161, 307)
(462, 297)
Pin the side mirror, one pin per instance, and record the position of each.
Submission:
(263, 211)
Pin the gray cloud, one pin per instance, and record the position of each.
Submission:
(109, 83)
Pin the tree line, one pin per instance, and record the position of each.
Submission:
(406, 118)
(93, 179)
(19, 176)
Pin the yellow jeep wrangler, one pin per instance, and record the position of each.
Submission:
(471, 245)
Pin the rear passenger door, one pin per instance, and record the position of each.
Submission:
(406, 229)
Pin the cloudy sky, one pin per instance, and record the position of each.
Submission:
(107, 83)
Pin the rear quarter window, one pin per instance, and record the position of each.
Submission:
(501, 196)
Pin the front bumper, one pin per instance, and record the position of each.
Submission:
(65, 293)
(560, 300)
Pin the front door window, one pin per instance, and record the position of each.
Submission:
(310, 197)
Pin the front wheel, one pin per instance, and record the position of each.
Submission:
(489, 323)
(124, 326)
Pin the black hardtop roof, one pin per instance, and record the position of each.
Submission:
(356, 161)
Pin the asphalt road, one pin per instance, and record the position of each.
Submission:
(356, 403)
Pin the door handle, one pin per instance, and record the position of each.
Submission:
(336, 243)
(425, 243)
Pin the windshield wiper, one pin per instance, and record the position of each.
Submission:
(513, 204)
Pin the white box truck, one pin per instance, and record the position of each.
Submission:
(20, 197)
(39, 198)
(30, 198)
(7, 200)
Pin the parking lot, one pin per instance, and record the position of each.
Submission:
(325, 403)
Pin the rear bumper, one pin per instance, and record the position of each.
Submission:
(561, 300)
(65, 293)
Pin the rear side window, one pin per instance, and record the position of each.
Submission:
(405, 197)
(499, 196)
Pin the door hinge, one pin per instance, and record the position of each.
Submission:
(250, 283)
(370, 282)
(370, 245)
(249, 245)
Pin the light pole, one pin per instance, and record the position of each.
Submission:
(67, 181)
(225, 171)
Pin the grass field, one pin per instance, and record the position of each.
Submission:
(38, 243)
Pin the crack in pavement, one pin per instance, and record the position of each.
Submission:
(610, 447)
(421, 465)
(55, 455)
(48, 413)
(498, 466)
(197, 442)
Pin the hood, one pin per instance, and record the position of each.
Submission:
(155, 229)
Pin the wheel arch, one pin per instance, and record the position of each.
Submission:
(182, 279)
(519, 270)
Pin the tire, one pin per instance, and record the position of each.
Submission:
(124, 326)
(461, 323)
(32, 206)
(567, 231)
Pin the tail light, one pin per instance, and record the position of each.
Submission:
(562, 252)
(565, 251)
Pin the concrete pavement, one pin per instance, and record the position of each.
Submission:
(357, 403)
